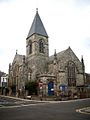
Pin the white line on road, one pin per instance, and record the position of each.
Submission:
(83, 110)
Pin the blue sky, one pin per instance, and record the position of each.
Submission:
(67, 23)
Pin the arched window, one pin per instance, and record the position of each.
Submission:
(41, 46)
(29, 74)
(71, 74)
(30, 47)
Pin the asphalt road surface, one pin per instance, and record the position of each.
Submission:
(51, 111)
(6, 101)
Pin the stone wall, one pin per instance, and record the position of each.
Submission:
(37, 61)
(79, 80)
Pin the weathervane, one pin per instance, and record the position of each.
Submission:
(36, 9)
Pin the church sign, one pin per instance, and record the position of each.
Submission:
(63, 87)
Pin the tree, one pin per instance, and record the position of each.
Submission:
(32, 87)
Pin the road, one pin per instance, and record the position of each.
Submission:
(6, 101)
(51, 111)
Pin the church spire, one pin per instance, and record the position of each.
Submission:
(82, 61)
(36, 10)
(37, 26)
(55, 55)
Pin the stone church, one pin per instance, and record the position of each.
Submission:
(62, 72)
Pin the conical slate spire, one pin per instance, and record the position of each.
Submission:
(37, 26)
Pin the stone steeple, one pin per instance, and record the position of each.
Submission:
(83, 66)
(37, 27)
(37, 50)
(55, 55)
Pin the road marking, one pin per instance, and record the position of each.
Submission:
(82, 110)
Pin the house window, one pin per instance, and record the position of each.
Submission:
(30, 47)
(41, 46)
(71, 74)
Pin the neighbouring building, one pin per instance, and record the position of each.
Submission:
(4, 80)
(4, 84)
(61, 73)
(1, 74)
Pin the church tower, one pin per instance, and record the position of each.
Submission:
(37, 51)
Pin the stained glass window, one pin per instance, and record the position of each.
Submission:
(71, 74)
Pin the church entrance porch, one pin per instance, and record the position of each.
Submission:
(46, 85)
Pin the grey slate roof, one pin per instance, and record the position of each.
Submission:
(63, 55)
(59, 55)
(37, 27)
